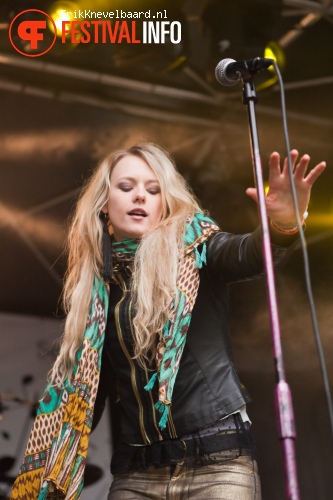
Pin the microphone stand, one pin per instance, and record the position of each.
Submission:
(283, 401)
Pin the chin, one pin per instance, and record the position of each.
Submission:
(133, 233)
(138, 232)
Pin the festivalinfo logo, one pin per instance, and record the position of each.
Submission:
(33, 32)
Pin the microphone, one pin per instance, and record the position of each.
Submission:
(228, 72)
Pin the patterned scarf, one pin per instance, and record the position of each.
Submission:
(172, 342)
(56, 452)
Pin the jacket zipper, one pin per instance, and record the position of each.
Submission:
(131, 363)
(171, 426)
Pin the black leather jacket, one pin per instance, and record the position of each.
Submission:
(207, 387)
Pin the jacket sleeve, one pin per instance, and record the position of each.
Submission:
(232, 257)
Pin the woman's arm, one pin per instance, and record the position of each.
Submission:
(234, 257)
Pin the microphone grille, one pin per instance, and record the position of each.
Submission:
(220, 73)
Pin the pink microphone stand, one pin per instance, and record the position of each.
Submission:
(283, 401)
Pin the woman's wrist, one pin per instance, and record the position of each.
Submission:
(288, 228)
(285, 229)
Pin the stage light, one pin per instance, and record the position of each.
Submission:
(62, 11)
(273, 50)
(174, 65)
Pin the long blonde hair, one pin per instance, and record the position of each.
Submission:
(155, 265)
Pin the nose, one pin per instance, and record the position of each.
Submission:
(139, 195)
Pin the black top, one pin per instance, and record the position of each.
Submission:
(207, 386)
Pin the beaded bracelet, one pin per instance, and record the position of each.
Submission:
(292, 230)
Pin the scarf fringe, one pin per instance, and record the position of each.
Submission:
(151, 382)
(164, 409)
(200, 259)
(159, 405)
(43, 494)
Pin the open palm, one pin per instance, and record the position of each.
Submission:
(279, 200)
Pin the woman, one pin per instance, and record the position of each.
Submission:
(146, 301)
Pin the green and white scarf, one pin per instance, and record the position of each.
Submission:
(56, 452)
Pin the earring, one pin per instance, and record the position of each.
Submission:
(107, 248)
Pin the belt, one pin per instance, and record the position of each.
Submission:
(178, 450)
(195, 450)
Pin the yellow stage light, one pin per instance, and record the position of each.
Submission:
(62, 11)
(320, 220)
(274, 51)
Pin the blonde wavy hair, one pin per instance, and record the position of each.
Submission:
(155, 265)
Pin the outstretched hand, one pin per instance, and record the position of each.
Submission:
(279, 200)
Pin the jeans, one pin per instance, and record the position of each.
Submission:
(235, 479)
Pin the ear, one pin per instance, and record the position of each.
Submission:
(105, 209)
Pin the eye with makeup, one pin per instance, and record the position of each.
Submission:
(150, 188)
(154, 189)
(125, 187)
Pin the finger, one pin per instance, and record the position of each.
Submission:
(274, 166)
(315, 173)
(252, 193)
(293, 156)
(301, 167)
